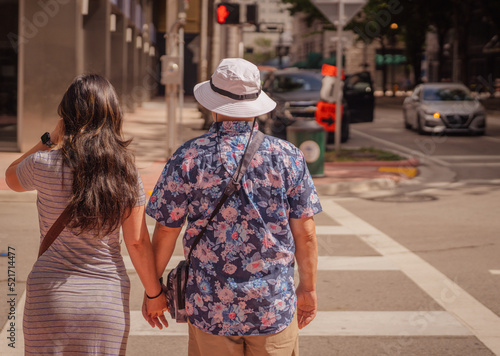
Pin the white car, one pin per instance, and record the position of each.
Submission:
(444, 107)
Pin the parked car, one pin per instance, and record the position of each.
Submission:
(443, 107)
(297, 91)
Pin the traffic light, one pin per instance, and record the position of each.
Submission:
(252, 14)
(228, 13)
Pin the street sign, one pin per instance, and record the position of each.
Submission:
(330, 8)
(339, 12)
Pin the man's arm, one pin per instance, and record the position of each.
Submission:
(164, 239)
(306, 254)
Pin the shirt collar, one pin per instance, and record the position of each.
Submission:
(232, 127)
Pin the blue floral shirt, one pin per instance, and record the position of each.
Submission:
(241, 280)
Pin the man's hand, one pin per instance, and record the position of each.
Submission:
(153, 309)
(307, 306)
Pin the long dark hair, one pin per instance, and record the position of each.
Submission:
(105, 180)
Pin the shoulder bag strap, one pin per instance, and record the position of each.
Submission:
(54, 231)
(233, 185)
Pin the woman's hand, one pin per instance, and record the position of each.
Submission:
(153, 309)
(58, 133)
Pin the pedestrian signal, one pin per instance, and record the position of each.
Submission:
(228, 13)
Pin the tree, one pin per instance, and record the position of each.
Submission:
(311, 11)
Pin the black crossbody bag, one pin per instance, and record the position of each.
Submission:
(177, 278)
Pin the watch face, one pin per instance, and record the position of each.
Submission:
(46, 139)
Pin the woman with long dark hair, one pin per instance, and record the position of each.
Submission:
(77, 294)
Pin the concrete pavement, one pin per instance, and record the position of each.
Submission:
(147, 126)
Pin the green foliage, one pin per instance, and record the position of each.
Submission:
(311, 11)
(361, 154)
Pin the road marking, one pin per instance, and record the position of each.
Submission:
(332, 230)
(343, 323)
(481, 321)
(325, 263)
(469, 158)
(477, 164)
(415, 152)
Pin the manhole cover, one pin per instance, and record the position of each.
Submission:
(405, 198)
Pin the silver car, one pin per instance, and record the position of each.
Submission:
(444, 107)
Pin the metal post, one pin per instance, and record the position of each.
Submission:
(338, 115)
(204, 41)
(182, 20)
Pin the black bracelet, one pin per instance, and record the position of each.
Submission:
(161, 290)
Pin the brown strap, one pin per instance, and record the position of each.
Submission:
(54, 231)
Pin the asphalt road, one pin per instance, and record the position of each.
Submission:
(472, 158)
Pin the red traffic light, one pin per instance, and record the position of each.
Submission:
(228, 13)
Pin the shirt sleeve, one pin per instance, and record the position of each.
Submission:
(141, 199)
(25, 172)
(169, 201)
(303, 198)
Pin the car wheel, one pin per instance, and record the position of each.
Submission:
(407, 124)
(419, 126)
(344, 135)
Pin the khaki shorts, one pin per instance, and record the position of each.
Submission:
(284, 343)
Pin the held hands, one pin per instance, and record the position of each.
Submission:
(153, 309)
(307, 306)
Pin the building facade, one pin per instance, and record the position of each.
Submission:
(45, 44)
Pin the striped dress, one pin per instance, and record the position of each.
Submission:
(77, 294)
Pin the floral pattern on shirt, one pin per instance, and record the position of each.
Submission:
(241, 280)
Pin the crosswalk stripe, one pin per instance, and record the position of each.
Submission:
(483, 323)
(343, 323)
(325, 263)
(332, 230)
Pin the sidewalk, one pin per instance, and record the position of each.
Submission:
(149, 144)
(147, 126)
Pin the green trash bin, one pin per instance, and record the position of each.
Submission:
(310, 138)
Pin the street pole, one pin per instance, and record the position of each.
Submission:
(204, 41)
(182, 20)
(338, 105)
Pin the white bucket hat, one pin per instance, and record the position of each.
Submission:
(234, 90)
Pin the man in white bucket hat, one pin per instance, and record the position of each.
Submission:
(241, 298)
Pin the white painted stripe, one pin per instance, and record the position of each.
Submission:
(477, 164)
(495, 271)
(332, 230)
(481, 321)
(19, 338)
(414, 153)
(174, 260)
(140, 327)
(325, 263)
(343, 323)
(348, 263)
(468, 158)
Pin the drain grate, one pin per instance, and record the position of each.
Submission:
(403, 198)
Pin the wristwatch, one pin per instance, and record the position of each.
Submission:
(46, 140)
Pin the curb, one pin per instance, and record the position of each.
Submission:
(411, 162)
(356, 186)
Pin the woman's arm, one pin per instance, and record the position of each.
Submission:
(136, 237)
(11, 174)
(164, 239)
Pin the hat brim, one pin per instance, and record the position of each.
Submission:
(226, 106)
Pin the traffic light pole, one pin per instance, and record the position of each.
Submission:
(338, 106)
